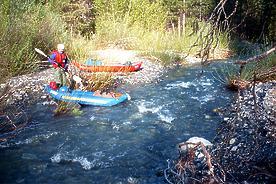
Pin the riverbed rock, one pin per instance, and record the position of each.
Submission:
(245, 144)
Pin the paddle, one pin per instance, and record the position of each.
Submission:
(43, 54)
(76, 78)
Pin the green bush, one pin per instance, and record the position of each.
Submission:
(24, 26)
(135, 24)
(143, 14)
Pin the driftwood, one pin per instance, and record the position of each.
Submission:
(257, 58)
(194, 165)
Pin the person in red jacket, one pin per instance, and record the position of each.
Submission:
(59, 60)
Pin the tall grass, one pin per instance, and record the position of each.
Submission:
(131, 24)
(153, 42)
(142, 25)
(261, 70)
(81, 47)
(23, 27)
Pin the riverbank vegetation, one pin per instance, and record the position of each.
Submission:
(151, 26)
(240, 76)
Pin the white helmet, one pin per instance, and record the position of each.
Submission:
(60, 47)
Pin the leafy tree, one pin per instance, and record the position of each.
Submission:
(79, 16)
(253, 19)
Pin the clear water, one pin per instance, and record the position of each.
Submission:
(128, 143)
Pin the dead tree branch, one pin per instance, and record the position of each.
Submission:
(257, 58)
(208, 37)
(194, 165)
(267, 73)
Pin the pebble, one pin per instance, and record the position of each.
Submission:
(252, 133)
(234, 148)
(232, 141)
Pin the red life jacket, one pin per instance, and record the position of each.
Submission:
(60, 58)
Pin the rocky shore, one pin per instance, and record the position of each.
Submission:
(246, 141)
(243, 150)
(30, 88)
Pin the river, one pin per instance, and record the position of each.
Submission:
(127, 143)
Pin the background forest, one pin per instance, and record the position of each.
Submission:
(151, 26)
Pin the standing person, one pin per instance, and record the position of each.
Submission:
(59, 59)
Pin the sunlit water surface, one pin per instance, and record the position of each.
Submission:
(127, 143)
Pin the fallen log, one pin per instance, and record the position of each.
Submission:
(257, 58)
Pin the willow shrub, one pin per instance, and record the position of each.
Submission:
(23, 27)
(118, 17)
(81, 47)
(142, 25)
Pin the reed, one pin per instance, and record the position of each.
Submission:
(105, 82)
(262, 71)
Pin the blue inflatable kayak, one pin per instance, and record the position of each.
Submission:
(84, 97)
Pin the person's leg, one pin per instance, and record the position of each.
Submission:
(64, 79)
(57, 76)
(60, 76)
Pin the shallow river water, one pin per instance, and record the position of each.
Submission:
(127, 143)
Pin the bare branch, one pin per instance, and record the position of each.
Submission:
(257, 58)
(208, 38)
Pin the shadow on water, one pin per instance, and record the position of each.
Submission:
(127, 143)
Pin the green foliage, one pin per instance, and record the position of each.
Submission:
(80, 47)
(145, 14)
(258, 20)
(166, 58)
(147, 25)
(142, 13)
(79, 16)
(24, 26)
(67, 108)
(76, 112)
(138, 24)
(192, 8)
